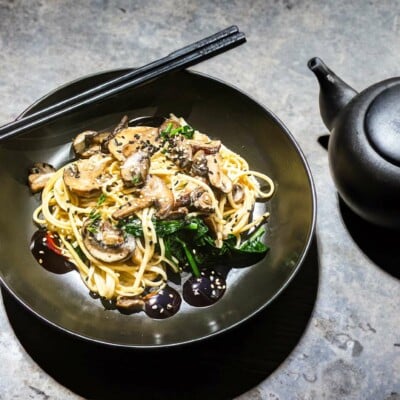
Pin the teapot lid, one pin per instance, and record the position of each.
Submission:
(382, 124)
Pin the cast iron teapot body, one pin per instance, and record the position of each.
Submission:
(364, 146)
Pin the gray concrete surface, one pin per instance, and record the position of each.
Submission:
(351, 347)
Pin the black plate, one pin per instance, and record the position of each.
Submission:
(211, 106)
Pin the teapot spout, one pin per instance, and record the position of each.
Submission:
(334, 93)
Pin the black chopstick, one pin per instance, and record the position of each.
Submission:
(179, 59)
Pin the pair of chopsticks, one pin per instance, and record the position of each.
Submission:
(178, 60)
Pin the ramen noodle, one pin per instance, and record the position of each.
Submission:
(140, 178)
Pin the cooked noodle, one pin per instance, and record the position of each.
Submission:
(63, 212)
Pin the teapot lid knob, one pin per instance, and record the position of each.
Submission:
(382, 124)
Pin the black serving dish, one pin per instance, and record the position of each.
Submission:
(211, 106)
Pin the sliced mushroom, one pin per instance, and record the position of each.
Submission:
(123, 124)
(176, 213)
(173, 123)
(209, 147)
(162, 196)
(201, 200)
(195, 197)
(237, 193)
(106, 242)
(84, 177)
(88, 143)
(131, 304)
(199, 164)
(39, 175)
(133, 139)
(216, 176)
(132, 206)
(180, 152)
(135, 168)
(155, 192)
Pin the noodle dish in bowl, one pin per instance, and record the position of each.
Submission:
(160, 217)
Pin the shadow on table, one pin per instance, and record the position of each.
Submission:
(380, 245)
(218, 368)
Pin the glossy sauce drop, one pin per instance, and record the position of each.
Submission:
(204, 290)
(44, 247)
(164, 304)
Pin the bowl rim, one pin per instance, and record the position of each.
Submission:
(302, 256)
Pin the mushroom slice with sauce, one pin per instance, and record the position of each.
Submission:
(84, 177)
(180, 152)
(201, 200)
(162, 196)
(130, 304)
(39, 175)
(132, 206)
(133, 139)
(209, 147)
(237, 193)
(88, 143)
(123, 124)
(189, 153)
(199, 164)
(169, 124)
(195, 197)
(106, 242)
(155, 192)
(216, 176)
(135, 168)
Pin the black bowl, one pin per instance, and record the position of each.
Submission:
(214, 108)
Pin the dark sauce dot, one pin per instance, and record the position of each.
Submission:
(41, 248)
(164, 304)
(204, 290)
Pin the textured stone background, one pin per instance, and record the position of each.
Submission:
(351, 347)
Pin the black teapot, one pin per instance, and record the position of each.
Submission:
(364, 146)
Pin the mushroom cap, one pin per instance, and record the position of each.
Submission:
(132, 139)
(135, 168)
(88, 143)
(106, 242)
(83, 177)
(216, 176)
(39, 175)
